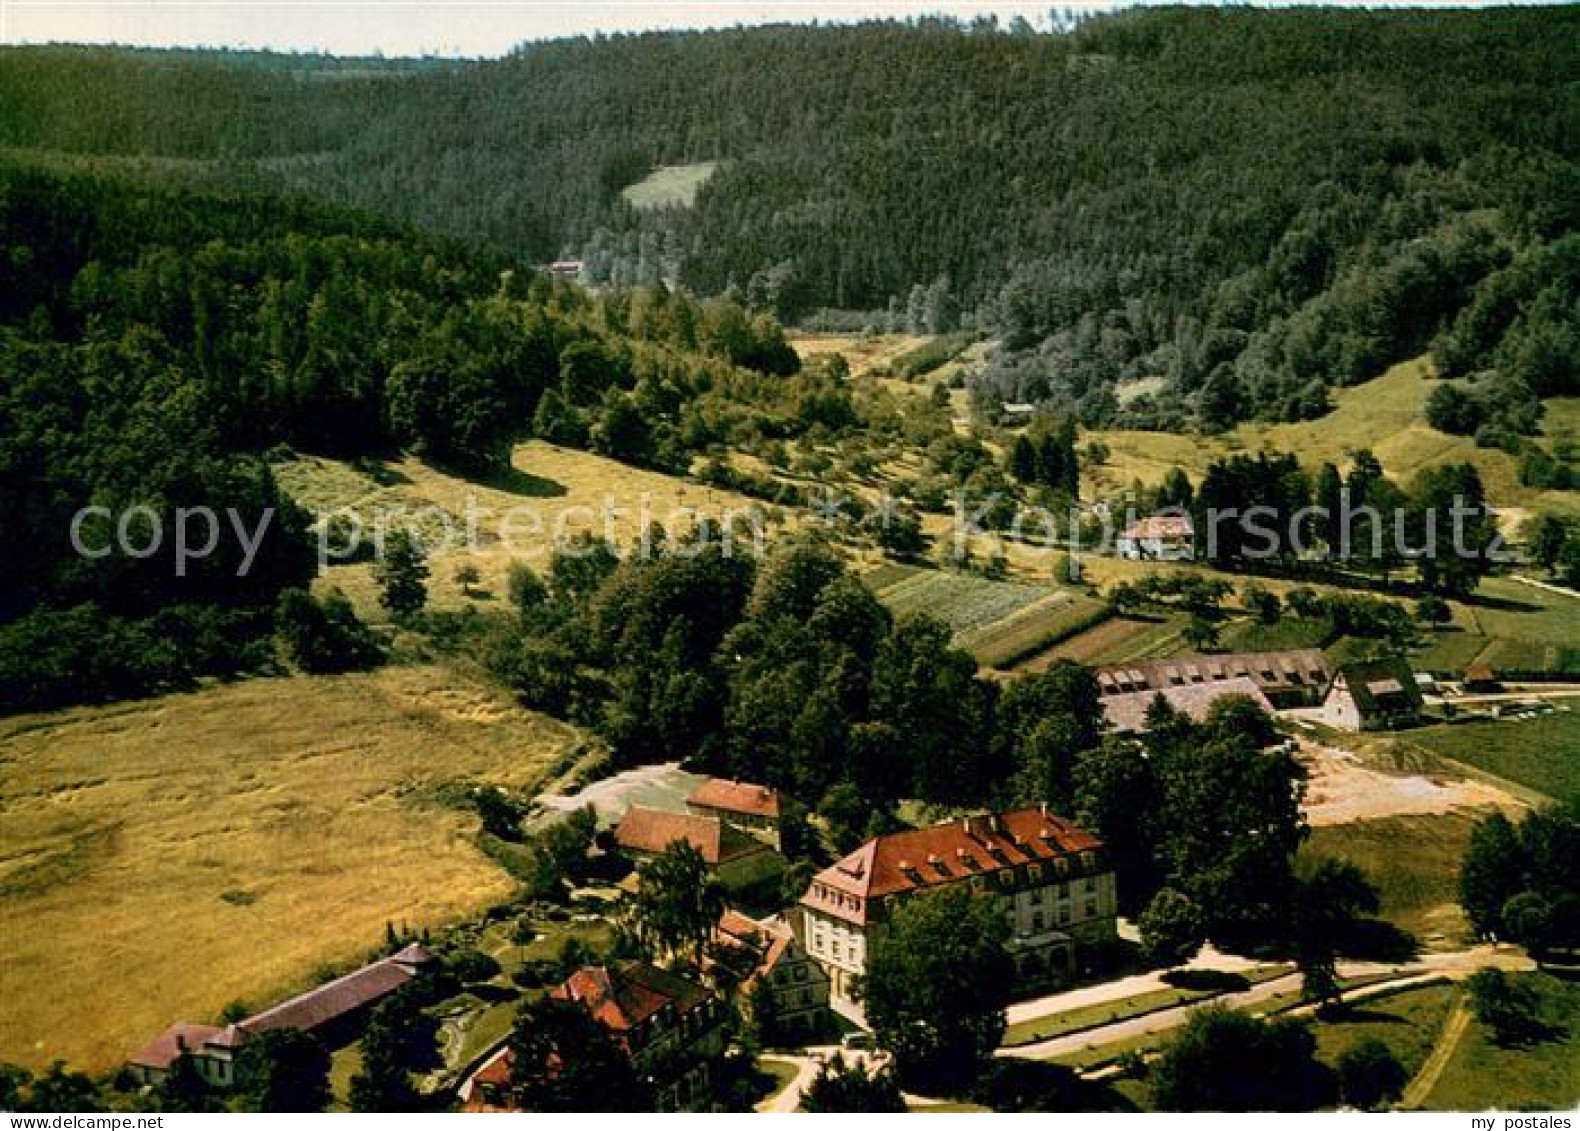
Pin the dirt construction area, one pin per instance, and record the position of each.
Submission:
(1342, 789)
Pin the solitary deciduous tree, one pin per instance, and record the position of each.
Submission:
(679, 901)
(936, 985)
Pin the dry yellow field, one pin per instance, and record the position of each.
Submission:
(864, 352)
(551, 494)
(163, 858)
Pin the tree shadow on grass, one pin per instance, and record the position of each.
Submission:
(1017, 1084)
(514, 481)
(1501, 604)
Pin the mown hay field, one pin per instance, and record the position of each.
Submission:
(161, 859)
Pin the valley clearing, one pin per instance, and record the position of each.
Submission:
(161, 859)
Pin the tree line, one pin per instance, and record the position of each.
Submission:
(160, 348)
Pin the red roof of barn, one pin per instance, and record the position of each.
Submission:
(183, 1036)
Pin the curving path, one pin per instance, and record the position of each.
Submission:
(1431, 1072)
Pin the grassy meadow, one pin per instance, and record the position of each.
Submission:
(1542, 753)
(160, 859)
(1408, 1022)
(1414, 863)
(670, 186)
(1482, 1075)
(554, 492)
(1384, 414)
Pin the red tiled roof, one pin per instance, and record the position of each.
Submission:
(622, 997)
(1160, 526)
(760, 943)
(654, 830)
(162, 1051)
(736, 797)
(1127, 712)
(942, 854)
(332, 999)
(494, 1074)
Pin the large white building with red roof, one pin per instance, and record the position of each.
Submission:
(1050, 878)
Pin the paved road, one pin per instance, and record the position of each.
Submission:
(1459, 964)
(1037, 1008)
(1547, 585)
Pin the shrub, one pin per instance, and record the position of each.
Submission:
(1370, 1075)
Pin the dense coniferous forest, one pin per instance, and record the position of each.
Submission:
(1250, 206)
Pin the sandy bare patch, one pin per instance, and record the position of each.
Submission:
(1342, 789)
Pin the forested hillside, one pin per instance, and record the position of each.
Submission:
(1243, 207)
(157, 345)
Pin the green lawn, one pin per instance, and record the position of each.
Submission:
(481, 1031)
(1525, 612)
(1542, 753)
(1544, 1077)
(1250, 635)
(1102, 1013)
(1449, 651)
(1121, 1009)
(1414, 861)
(1408, 1023)
(1512, 627)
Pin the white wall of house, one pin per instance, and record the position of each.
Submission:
(1043, 916)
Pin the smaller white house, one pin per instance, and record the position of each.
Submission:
(1166, 538)
(1377, 695)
